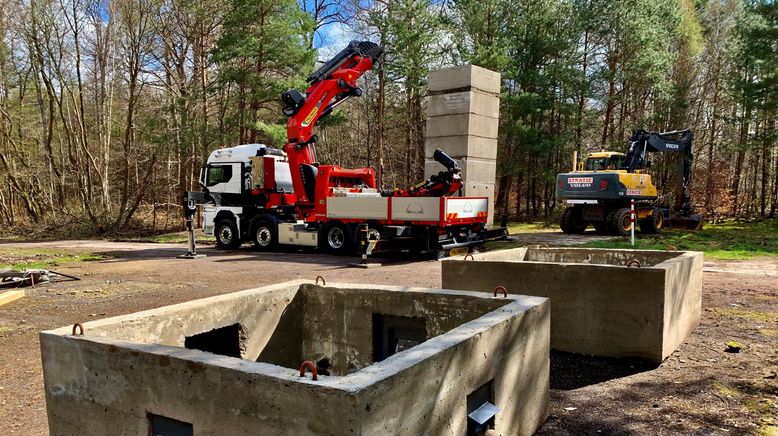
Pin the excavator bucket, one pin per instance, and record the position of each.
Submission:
(691, 222)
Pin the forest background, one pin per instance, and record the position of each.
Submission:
(109, 108)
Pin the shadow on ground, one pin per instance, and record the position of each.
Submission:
(573, 371)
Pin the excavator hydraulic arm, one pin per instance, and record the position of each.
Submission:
(676, 141)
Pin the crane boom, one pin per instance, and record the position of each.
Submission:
(330, 85)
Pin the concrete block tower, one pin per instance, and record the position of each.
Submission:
(462, 119)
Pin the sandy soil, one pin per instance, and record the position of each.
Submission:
(699, 390)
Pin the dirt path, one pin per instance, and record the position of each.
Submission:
(698, 390)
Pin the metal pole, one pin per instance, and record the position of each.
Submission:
(632, 221)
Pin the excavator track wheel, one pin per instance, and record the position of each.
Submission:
(601, 227)
(572, 222)
(654, 224)
(619, 221)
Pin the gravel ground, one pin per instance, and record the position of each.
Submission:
(700, 389)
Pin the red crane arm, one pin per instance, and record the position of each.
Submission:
(339, 86)
(330, 85)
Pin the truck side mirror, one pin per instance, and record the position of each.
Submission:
(201, 179)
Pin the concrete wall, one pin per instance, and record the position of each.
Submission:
(103, 383)
(599, 306)
(462, 119)
(338, 323)
(429, 397)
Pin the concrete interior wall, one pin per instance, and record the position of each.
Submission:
(101, 384)
(338, 325)
(599, 306)
(599, 257)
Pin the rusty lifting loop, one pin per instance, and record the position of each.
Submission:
(671, 248)
(633, 262)
(311, 366)
(470, 256)
(543, 246)
(504, 291)
(79, 326)
(323, 282)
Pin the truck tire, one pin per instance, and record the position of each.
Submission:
(601, 227)
(336, 238)
(227, 236)
(264, 234)
(571, 221)
(619, 221)
(654, 224)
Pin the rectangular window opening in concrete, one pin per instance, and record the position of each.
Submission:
(163, 426)
(392, 334)
(288, 323)
(481, 410)
(227, 341)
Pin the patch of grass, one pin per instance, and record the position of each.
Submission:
(773, 333)
(766, 297)
(179, 238)
(21, 259)
(730, 240)
(768, 430)
(747, 314)
(531, 227)
(6, 328)
(726, 390)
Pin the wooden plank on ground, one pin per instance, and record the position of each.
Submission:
(9, 296)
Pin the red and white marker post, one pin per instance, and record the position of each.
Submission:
(632, 221)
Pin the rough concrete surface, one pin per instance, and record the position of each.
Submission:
(126, 367)
(463, 120)
(462, 124)
(473, 101)
(461, 146)
(599, 306)
(464, 76)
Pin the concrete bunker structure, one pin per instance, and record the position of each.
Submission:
(400, 361)
(599, 305)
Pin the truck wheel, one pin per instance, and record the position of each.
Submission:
(227, 236)
(336, 238)
(265, 235)
(654, 224)
(601, 227)
(572, 222)
(619, 221)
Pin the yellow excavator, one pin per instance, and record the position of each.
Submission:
(601, 187)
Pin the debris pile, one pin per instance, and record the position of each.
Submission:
(31, 277)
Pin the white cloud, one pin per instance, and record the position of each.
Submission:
(333, 38)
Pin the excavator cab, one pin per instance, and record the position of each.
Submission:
(604, 161)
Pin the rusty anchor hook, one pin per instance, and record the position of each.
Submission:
(311, 366)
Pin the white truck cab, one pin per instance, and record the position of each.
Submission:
(230, 175)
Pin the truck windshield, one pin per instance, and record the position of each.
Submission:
(218, 174)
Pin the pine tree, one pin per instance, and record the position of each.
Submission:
(263, 50)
